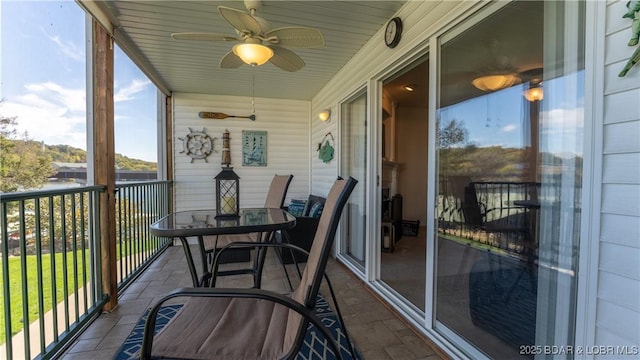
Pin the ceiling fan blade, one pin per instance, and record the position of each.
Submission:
(296, 36)
(203, 36)
(286, 59)
(531, 74)
(240, 20)
(230, 61)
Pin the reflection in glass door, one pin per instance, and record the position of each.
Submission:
(509, 175)
(353, 150)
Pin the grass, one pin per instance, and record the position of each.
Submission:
(34, 291)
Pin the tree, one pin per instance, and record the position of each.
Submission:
(23, 165)
(451, 139)
(453, 134)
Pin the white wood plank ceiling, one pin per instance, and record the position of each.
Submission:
(143, 30)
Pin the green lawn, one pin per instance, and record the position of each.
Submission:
(33, 288)
(34, 291)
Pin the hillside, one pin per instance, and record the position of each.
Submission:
(69, 154)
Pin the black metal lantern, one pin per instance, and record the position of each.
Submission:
(227, 194)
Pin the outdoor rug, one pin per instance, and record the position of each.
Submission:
(314, 348)
(503, 300)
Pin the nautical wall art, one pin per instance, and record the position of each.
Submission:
(254, 148)
(197, 144)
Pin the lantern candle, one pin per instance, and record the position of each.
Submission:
(228, 205)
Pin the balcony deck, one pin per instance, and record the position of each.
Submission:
(377, 332)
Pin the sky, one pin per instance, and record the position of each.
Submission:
(43, 80)
(501, 118)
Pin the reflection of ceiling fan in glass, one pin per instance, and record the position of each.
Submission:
(500, 73)
(257, 42)
(502, 79)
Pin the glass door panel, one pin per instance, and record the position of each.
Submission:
(404, 181)
(509, 175)
(353, 145)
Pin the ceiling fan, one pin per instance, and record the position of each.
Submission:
(257, 42)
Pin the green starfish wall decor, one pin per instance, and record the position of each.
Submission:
(634, 15)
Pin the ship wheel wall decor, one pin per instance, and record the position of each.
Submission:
(197, 145)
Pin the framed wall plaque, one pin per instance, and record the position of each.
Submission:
(254, 148)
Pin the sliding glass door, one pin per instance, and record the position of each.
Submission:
(509, 150)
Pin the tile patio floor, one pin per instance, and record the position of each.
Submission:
(377, 332)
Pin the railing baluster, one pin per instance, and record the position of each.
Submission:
(74, 247)
(65, 269)
(83, 236)
(134, 229)
(6, 292)
(119, 205)
(127, 230)
(140, 227)
(94, 245)
(152, 211)
(52, 259)
(23, 280)
(147, 217)
(138, 206)
(40, 271)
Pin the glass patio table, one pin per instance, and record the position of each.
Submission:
(198, 223)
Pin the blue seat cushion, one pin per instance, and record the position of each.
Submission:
(316, 210)
(296, 207)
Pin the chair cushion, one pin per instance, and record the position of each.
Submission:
(228, 328)
(307, 207)
(316, 210)
(296, 207)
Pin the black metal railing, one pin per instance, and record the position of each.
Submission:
(51, 265)
(491, 213)
(138, 205)
(50, 281)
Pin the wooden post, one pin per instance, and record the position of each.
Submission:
(104, 166)
(169, 148)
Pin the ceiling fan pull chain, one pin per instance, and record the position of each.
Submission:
(253, 88)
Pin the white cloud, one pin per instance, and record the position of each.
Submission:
(71, 99)
(562, 131)
(510, 128)
(128, 92)
(562, 120)
(69, 49)
(51, 113)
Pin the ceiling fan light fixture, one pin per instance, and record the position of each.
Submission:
(495, 82)
(253, 54)
(410, 87)
(534, 92)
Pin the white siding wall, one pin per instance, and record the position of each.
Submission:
(618, 295)
(288, 148)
